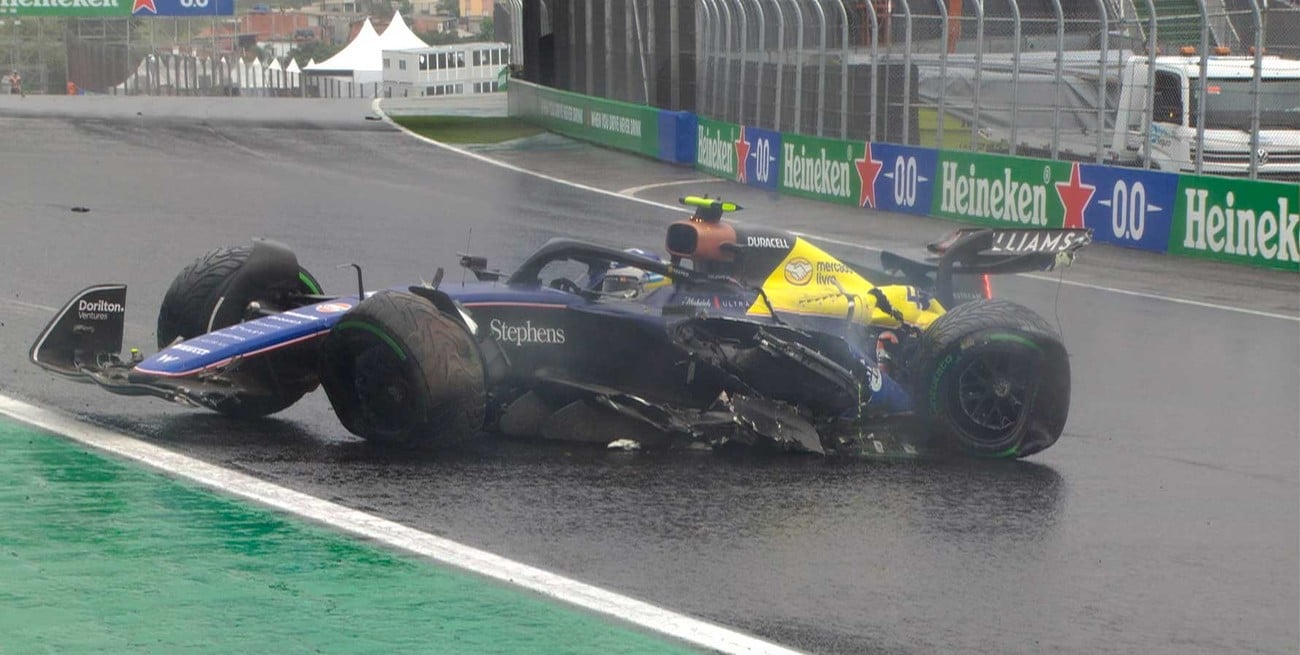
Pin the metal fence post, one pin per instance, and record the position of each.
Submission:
(1255, 82)
(1015, 72)
(762, 63)
(703, 65)
(744, 62)
(907, 72)
(1148, 112)
(798, 62)
(1101, 79)
(844, 71)
(943, 72)
(1203, 84)
(1056, 86)
(780, 66)
(979, 71)
(821, 70)
(726, 60)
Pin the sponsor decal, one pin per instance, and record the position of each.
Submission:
(816, 173)
(1132, 207)
(827, 272)
(714, 151)
(615, 123)
(905, 181)
(1004, 199)
(1240, 220)
(526, 333)
(333, 307)
(742, 157)
(561, 111)
(144, 5)
(193, 350)
(868, 170)
(1027, 241)
(712, 301)
(798, 271)
(167, 359)
(767, 242)
(97, 310)
(761, 163)
(1074, 196)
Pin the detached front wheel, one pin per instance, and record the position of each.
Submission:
(993, 379)
(400, 372)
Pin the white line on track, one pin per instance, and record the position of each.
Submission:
(633, 190)
(691, 630)
(375, 106)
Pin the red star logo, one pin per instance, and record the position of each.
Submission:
(742, 154)
(868, 171)
(1075, 196)
(144, 4)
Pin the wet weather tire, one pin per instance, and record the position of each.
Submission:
(993, 379)
(400, 372)
(199, 301)
(196, 302)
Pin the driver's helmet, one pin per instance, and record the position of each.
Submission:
(630, 281)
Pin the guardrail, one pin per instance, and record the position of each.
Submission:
(1233, 220)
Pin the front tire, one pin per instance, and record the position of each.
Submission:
(400, 372)
(993, 379)
(204, 297)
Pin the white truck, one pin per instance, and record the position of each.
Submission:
(1172, 136)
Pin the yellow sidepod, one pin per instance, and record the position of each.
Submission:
(811, 282)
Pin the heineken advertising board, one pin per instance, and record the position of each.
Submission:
(117, 8)
(715, 148)
(822, 169)
(1238, 221)
(1128, 207)
(1221, 218)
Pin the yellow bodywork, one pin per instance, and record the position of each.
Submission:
(811, 282)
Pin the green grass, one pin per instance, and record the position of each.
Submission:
(468, 129)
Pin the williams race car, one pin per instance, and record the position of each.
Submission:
(741, 336)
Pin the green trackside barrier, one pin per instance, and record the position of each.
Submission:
(999, 190)
(1237, 221)
(619, 125)
(1231, 220)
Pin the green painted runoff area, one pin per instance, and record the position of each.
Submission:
(97, 555)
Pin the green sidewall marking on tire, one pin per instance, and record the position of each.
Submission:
(1010, 452)
(309, 283)
(392, 343)
(1015, 338)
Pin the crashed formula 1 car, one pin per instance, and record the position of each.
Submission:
(741, 336)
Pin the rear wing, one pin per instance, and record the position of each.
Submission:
(86, 330)
(988, 251)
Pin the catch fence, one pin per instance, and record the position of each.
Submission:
(1051, 78)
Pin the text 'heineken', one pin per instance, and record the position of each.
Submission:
(815, 174)
(714, 152)
(1246, 231)
(999, 199)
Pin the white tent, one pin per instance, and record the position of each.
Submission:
(360, 59)
(275, 74)
(363, 58)
(398, 36)
(291, 73)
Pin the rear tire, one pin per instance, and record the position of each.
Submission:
(400, 372)
(993, 379)
(197, 303)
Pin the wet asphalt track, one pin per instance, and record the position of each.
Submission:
(1165, 521)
